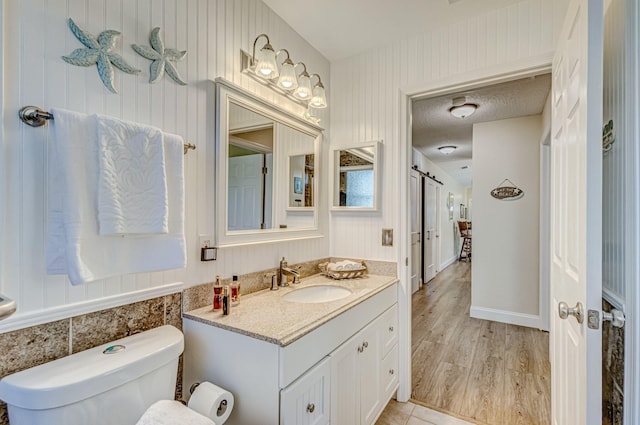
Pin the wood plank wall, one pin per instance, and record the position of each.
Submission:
(366, 102)
(213, 32)
(614, 166)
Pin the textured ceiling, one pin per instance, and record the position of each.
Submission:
(434, 126)
(344, 28)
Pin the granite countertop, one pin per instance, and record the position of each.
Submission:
(265, 315)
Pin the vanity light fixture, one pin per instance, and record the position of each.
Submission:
(462, 109)
(303, 91)
(264, 66)
(318, 96)
(447, 149)
(287, 79)
(265, 61)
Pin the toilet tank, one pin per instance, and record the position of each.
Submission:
(110, 384)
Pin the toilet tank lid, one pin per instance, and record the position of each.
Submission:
(91, 372)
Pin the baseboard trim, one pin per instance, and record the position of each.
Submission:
(449, 262)
(503, 316)
(47, 315)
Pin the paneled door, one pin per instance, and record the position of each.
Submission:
(415, 194)
(430, 230)
(576, 216)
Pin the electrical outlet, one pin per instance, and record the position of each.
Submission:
(205, 241)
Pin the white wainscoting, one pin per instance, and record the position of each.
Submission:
(36, 35)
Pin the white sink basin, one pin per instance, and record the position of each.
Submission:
(317, 294)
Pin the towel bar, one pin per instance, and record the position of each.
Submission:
(36, 117)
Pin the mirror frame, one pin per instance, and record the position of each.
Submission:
(377, 176)
(227, 92)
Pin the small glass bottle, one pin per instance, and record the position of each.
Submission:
(217, 294)
(235, 291)
(226, 302)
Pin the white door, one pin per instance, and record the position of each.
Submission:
(576, 208)
(430, 233)
(415, 194)
(245, 192)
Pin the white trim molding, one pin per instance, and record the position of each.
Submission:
(503, 316)
(47, 315)
(449, 262)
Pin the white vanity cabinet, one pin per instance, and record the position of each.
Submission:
(299, 380)
(307, 401)
(361, 381)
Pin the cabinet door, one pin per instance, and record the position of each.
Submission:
(369, 374)
(307, 401)
(345, 392)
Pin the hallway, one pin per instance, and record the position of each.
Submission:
(488, 372)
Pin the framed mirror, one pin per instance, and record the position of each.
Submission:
(266, 162)
(356, 177)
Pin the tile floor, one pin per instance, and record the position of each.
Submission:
(412, 414)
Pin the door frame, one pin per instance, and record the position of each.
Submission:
(467, 81)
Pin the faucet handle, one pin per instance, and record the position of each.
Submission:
(274, 283)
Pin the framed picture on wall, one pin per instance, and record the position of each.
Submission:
(461, 210)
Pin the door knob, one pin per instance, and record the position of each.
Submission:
(565, 311)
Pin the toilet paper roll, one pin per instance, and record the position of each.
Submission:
(212, 401)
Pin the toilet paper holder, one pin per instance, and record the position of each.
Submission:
(222, 407)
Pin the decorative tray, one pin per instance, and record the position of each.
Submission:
(351, 273)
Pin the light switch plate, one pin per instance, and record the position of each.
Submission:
(205, 241)
(387, 237)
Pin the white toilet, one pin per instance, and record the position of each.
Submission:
(114, 383)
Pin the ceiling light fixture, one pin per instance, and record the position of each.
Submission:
(462, 109)
(263, 65)
(447, 149)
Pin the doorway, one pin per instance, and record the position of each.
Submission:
(442, 193)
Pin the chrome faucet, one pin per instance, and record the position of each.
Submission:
(285, 271)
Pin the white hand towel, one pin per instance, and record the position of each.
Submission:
(171, 412)
(132, 191)
(74, 246)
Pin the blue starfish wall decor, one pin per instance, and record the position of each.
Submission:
(161, 58)
(98, 52)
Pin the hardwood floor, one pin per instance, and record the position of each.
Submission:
(482, 371)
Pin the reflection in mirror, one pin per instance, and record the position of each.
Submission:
(301, 171)
(357, 177)
(266, 170)
(250, 169)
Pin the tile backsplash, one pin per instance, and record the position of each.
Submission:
(612, 371)
(28, 347)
